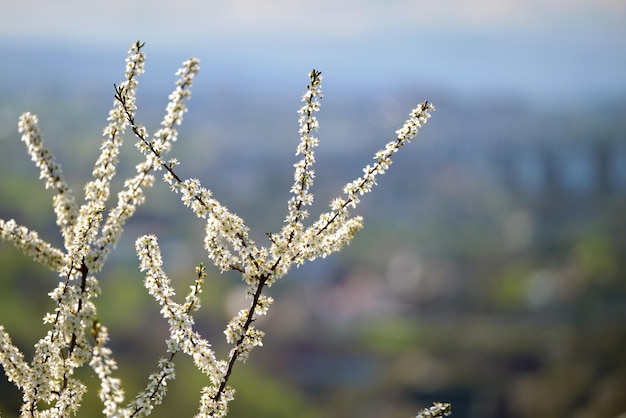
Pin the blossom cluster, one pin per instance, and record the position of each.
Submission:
(229, 246)
(90, 232)
(438, 410)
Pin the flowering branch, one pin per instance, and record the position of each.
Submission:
(229, 246)
(89, 236)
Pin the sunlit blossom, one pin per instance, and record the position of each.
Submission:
(75, 336)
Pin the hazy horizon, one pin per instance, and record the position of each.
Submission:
(549, 51)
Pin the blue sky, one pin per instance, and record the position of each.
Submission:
(536, 48)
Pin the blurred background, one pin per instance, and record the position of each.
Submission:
(491, 270)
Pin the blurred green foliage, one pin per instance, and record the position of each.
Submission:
(464, 288)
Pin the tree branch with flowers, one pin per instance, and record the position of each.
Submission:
(90, 231)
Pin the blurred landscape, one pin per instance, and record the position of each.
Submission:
(491, 271)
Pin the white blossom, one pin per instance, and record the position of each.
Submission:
(75, 337)
(50, 171)
(437, 410)
(34, 247)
